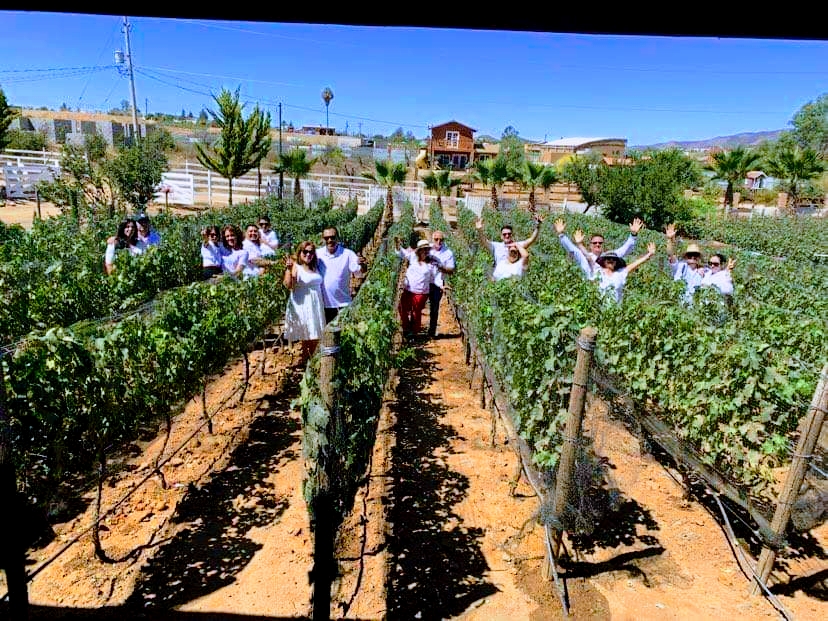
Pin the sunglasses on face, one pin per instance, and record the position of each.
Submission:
(597, 243)
(714, 264)
(328, 237)
(264, 224)
(307, 252)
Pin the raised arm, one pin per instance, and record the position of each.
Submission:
(636, 225)
(670, 231)
(290, 274)
(481, 235)
(651, 248)
(535, 232)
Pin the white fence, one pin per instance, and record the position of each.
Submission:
(22, 157)
(21, 181)
(176, 188)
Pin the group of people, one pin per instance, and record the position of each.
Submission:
(226, 250)
(134, 236)
(427, 263)
(610, 270)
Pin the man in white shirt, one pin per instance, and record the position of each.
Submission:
(445, 259)
(337, 264)
(499, 249)
(146, 233)
(596, 244)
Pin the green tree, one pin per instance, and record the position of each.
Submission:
(511, 149)
(7, 114)
(242, 144)
(531, 176)
(733, 167)
(296, 164)
(82, 186)
(29, 141)
(441, 184)
(795, 167)
(810, 125)
(136, 172)
(585, 172)
(492, 172)
(94, 146)
(388, 175)
(651, 188)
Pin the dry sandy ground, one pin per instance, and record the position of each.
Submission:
(228, 537)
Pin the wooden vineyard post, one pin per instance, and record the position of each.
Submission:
(572, 433)
(323, 526)
(807, 441)
(12, 552)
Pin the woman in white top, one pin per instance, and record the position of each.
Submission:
(305, 314)
(212, 252)
(421, 273)
(613, 272)
(717, 274)
(125, 239)
(257, 252)
(517, 260)
(233, 263)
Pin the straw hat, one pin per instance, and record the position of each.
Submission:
(619, 262)
(423, 243)
(692, 249)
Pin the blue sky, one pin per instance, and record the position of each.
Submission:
(643, 88)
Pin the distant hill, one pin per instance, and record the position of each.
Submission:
(747, 139)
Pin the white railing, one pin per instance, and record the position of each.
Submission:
(25, 157)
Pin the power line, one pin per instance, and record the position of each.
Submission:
(54, 69)
(98, 59)
(274, 104)
(222, 77)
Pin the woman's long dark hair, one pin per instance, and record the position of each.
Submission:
(236, 231)
(121, 239)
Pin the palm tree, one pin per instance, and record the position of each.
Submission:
(532, 176)
(242, 144)
(296, 164)
(732, 167)
(492, 172)
(441, 184)
(795, 166)
(388, 175)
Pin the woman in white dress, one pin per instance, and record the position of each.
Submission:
(305, 314)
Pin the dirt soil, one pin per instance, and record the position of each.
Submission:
(228, 537)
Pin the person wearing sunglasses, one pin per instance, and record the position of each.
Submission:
(690, 269)
(267, 235)
(337, 264)
(717, 274)
(445, 258)
(305, 313)
(212, 251)
(500, 250)
(596, 243)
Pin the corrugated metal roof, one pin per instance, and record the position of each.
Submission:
(579, 141)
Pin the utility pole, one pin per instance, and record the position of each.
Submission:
(281, 172)
(135, 129)
(146, 107)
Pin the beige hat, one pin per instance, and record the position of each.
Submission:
(691, 249)
(423, 243)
